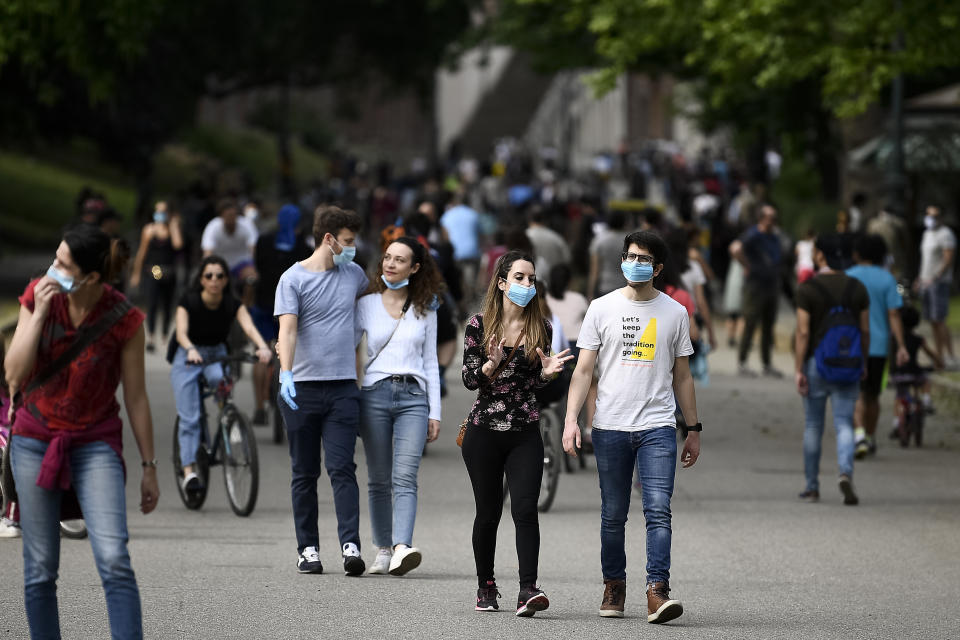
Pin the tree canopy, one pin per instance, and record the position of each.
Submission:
(847, 46)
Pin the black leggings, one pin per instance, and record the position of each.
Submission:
(160, 294)
(488, 454)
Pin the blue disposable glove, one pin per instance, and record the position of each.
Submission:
(287, 391)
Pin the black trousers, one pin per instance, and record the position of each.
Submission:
(160, 299)
(488, 455)
(759, 307)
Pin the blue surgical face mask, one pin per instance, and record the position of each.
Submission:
(159, 217)
(65, 280)
(637, 271)
(521, 295)
(393, 286)
(346, 255)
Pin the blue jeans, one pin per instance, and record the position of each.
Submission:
(393, 426)
(327, 418)
(653, 452)
(97, 476)
(843, 399)
(186, 392)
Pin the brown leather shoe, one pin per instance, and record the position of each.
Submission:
(614, 595)
(660, 608)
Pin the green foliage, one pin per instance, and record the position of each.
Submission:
(846, 46)
(301, 122)
(37, 197)
(248, 150)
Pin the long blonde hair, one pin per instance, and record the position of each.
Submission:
(533, 321)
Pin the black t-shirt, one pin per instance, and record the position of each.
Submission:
(811, 300)
(209, 327)
(271, 263)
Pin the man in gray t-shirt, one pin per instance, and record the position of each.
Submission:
(319, 399)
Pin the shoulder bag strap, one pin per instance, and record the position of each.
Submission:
(847, 299)
(406, 305)
(503, 365)
(85, 338)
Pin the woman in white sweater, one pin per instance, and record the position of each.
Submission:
(400, 398)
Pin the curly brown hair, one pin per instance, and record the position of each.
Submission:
(425, 285)
(330, 219)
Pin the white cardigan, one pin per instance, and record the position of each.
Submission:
(412, 351)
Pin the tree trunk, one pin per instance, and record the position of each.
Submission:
(285, 187)
(143, 178)
(827, 149)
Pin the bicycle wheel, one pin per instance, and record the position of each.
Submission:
(903, 425)
(241, 471)
(551, 462)
(73, 529)
(193, 499)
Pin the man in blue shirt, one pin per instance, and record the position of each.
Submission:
(463, 228)
(870, 252)
(319, 398)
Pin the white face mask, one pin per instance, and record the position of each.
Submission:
(930, 222)
(252, 213)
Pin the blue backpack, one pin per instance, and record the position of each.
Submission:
(839, 354)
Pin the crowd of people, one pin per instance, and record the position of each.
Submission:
(363, 302)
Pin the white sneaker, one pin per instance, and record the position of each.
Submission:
(9, 528)
(405, 559)
(381, 564)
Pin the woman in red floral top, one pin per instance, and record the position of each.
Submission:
(67, 432)
(503, 434)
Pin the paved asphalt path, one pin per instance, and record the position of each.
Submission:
(749, 561)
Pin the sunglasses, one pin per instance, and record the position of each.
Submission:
(214, 276)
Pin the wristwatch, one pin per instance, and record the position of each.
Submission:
(149, 464)
(697, 427)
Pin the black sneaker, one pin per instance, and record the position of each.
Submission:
(487, 597)
(531, 600)
(192, 483)
(353, 564)
(309, 561)
(260, 417)
(810, 495)
(846, 488)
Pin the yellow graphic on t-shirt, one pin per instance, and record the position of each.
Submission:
(646, 348)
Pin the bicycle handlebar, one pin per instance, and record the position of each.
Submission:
(240, 357)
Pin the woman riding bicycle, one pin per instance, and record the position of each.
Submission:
(400, 398)
(67, 430)
(503, 357)
(205, 314)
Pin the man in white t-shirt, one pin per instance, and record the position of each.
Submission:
(938, 248)
(233, 238)
(640, 338)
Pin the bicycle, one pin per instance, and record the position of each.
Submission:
(910, 410)
(234, 447)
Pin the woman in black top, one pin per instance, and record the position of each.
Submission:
(159, 242)
(204, 317)
(503, 434)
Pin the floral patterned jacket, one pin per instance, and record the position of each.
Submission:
(508, 403)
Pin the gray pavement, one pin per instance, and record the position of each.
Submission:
(748, 560)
